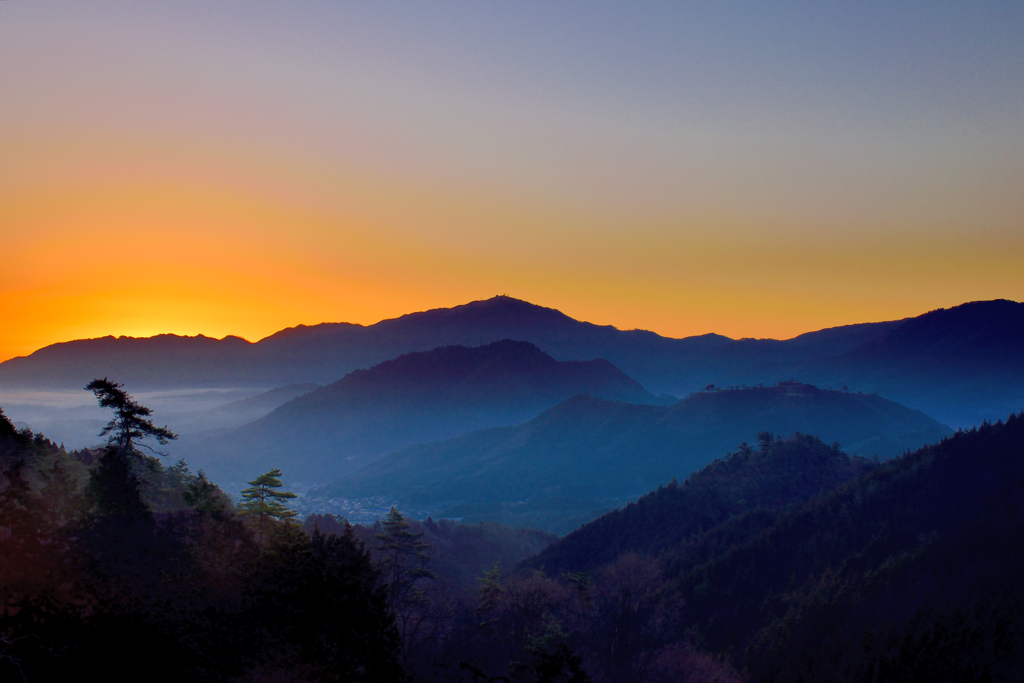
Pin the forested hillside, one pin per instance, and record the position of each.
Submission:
(775, 474)
(912, 572)
(460, 554)
(796, 562)
(784, 560)
(111, 562)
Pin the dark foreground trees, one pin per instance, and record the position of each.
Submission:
(123, 569)
(789, 562)
(914, 571)
(319, 612)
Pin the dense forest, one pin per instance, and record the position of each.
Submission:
(787, 560)
(113, 563)
(909, 570)
(779, 473)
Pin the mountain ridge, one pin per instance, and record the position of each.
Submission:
(962, 364)
(295, 349)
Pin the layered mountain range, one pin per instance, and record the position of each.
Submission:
(324, 353)
(588, 454)
(415, 398)
(961, 365)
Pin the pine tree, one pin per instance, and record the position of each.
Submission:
(403, 555)
(262, 501)
(114, 486)
(403, 562)
(131, 423)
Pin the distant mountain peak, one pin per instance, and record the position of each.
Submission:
(500, 300)
(503, 358)
(987, 304)
(976, 312)
(501, 307)
(461, 355)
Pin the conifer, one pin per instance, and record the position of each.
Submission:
(263, 501)
(131, 422)
(404, 558)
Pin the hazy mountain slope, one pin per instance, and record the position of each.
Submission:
(163, 361)
(961, 365)
(778, 474)
(324, 353)
(268, 400)
(590, 450)
(981, 335)
(239, 412)
(414, 398)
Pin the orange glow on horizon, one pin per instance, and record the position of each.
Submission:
(140, 259)
(163, 253)
(111, 236)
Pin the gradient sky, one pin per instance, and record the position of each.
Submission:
(752, 169)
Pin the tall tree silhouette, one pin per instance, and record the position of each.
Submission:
(403, 562)
(114, 486)
(131, 423)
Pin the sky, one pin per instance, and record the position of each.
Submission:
(751, 169)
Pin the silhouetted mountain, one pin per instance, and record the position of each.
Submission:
(324, 353)
(414, 398)
(960, 365)
(165, 361)
(586, 453)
